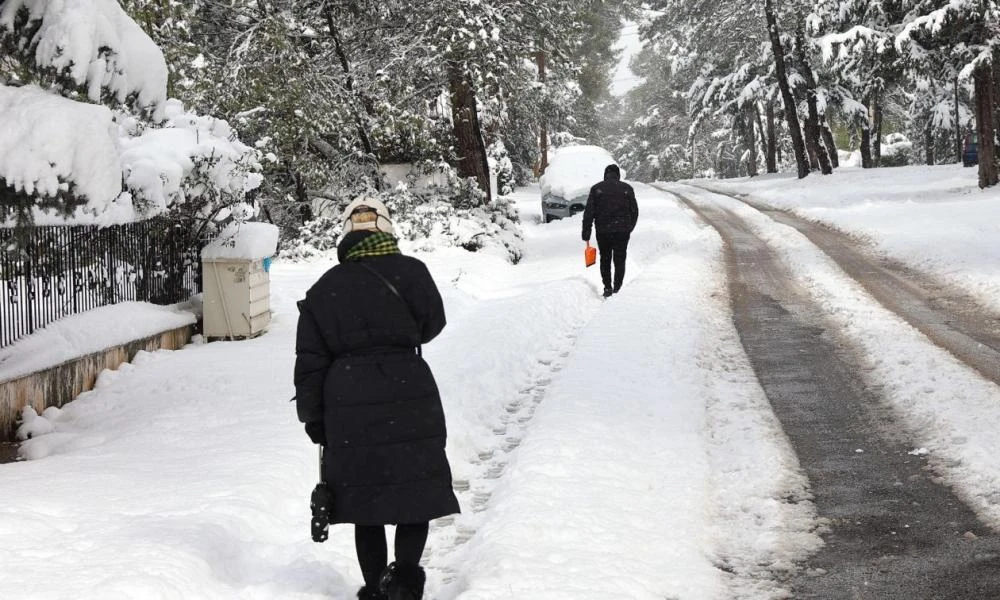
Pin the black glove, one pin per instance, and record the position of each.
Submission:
(316, 432)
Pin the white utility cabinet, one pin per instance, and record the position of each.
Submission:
(236, 283)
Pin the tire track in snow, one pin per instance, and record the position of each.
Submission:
(894, 530)
(951, 319)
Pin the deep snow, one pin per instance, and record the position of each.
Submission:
(601, 449)
(639, 474)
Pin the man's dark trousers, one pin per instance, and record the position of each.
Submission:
(612, 248)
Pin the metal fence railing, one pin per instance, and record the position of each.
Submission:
(47, 273)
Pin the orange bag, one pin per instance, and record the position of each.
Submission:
(589, 255)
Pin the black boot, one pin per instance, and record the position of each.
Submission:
(371, 593)
(402, 581)
(607, 292)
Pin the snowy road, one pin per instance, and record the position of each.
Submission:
(893, 530)
(601, 449)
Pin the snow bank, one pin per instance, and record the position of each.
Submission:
(574, 169)
(50, 145)
(86, 333)
(96, 44)
(243, 240)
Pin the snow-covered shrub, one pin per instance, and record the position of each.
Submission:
(501, 163)
(456, 214)
(897, 151)
(193, 166)
(61, 156)
(430, 215)
(55, 154)
(316, 238)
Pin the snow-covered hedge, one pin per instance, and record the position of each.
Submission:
(897, 151)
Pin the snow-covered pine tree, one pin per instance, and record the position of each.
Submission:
(85, 85)
(963, 32)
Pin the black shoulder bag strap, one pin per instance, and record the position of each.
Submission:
(393, 289)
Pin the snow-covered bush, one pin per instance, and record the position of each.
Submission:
(63, 159)
(452, 214)
(55, 154)
(897, 151)
(192, 165)
(501, 163)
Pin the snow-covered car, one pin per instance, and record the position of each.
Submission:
(568, 179)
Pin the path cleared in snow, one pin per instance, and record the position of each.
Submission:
(894, 530)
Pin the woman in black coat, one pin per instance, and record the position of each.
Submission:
(365, 393)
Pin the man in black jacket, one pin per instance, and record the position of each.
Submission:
(612, 209)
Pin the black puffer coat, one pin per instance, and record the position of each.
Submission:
(358, 372)
(611, 206)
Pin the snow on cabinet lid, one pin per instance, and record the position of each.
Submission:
(246, 241)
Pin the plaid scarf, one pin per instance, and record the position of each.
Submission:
(377, 244)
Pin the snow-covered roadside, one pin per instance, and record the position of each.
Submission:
(654, 465)
(935, 219)
(186, 475)
(952, 410)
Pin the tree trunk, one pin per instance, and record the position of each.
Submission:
(983, 78)
(831, 146)
(958, 126)
(772, 142)
(817, 152)
(807, 130)
(469, 143)
(794, 130)
(750, 137)
(877, 130)
(543, 136)
(866, 148)
(929, 143)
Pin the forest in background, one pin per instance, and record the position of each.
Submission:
(309, 101)
(738, 88)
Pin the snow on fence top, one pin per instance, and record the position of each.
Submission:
(95, 43)
(574, 169)
(243, 240)
(49, 144)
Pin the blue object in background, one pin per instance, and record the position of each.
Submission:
(267, 264)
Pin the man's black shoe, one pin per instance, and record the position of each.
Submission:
(608, 292)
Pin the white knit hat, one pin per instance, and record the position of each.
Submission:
(373, 216)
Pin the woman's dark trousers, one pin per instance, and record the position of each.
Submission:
(373, 552)
(613, 248)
